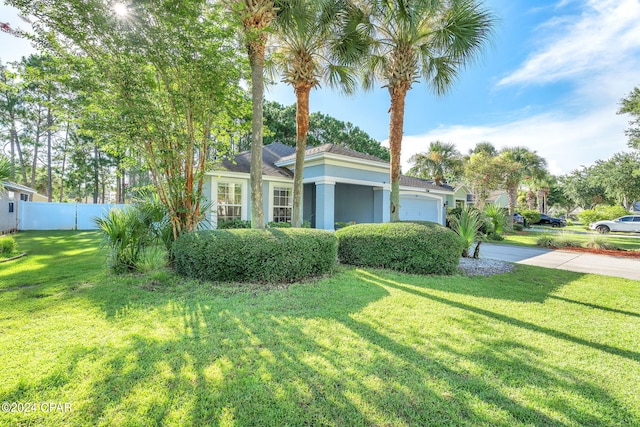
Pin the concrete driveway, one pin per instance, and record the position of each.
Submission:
(628, 268)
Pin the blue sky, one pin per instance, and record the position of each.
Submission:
(551, 81)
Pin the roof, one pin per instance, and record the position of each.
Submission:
(278, 152)
(270, 155)
(410, 181)
(14, 186)
(336, 149)
(495, 195)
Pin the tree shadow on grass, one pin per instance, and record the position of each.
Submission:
(308, 355)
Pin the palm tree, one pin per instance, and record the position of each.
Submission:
(518, 163)
(257, 17)
(413, 39)
(303, 53)
(442, 161)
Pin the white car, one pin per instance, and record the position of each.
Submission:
(628, 223)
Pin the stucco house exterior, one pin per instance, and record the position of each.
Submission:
(10, 199)
(340, 185)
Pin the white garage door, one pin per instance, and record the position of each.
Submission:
(417, 208)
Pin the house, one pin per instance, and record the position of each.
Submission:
(340, 185)
(10, 200)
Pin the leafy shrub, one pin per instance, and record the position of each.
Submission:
(233, 224)
(601, 213)
(518, 227)
(532, 216)
(425, 248)
(8, 245)
(283, 224)
(271, 255)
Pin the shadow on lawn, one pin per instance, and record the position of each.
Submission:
(309, 356)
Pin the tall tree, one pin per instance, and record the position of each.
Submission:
(172, 68)
(5, 170)
(517, 164)
(631, 105)
(620, 177)
(303, 42)
(414, 39)
(442, 163)
(256, 17)
(483, 172)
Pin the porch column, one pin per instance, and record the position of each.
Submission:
(381, 207)
(325, 205)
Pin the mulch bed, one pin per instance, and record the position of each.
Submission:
(622, 253)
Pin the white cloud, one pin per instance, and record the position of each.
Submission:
(565, 142)
(604, 36)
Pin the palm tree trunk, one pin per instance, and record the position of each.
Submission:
(256, 59)
(302, 128)
(398, 94)
(512, 198)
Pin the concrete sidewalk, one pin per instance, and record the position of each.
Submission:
(628, 268)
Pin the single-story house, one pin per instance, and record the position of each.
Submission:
(340, 185)
(10, 200)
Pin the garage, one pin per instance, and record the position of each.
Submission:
(419, 208)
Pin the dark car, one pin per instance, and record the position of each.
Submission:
(549, 220)
(519, 219)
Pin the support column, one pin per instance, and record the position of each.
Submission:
(381, 206)
(325, 205)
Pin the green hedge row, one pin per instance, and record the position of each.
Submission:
(425, 248)
(250, 255)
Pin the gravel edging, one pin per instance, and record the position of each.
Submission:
(484, 267)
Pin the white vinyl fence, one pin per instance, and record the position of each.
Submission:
(61, 216)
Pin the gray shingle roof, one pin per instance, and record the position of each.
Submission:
(411, 181)
(270, 154)
(336, 149)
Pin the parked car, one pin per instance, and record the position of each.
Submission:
(629, 223)
(519, 219)
(549, 220)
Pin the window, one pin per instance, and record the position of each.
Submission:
(282, 204)
(10, 207)
(460, 204)
(229, 201)
(24, 197)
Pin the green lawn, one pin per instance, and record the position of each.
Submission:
(529, 239)
(365, 347)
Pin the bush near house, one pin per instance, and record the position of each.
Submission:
(425, 248)
(8, 246)
(271, 255)
(532, 216)
(601, 213)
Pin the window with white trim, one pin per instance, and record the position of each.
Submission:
(229, 201)
(282, 204)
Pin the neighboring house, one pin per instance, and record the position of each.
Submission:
(10, 200)
(498, 198)
(340, 185)
(462, 197)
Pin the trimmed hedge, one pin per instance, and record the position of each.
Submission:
(272, 255)
(425, 248)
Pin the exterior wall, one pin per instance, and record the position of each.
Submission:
(9, 221)
(344, 173)
(309, 204)
(354, 203)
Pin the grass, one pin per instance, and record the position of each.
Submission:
(364, 347)
(529, 239)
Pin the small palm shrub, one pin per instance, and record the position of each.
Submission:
(468, 227)
(126, 233)
(497, 216)
(241, 255)
(424, 248)
(8, 246)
